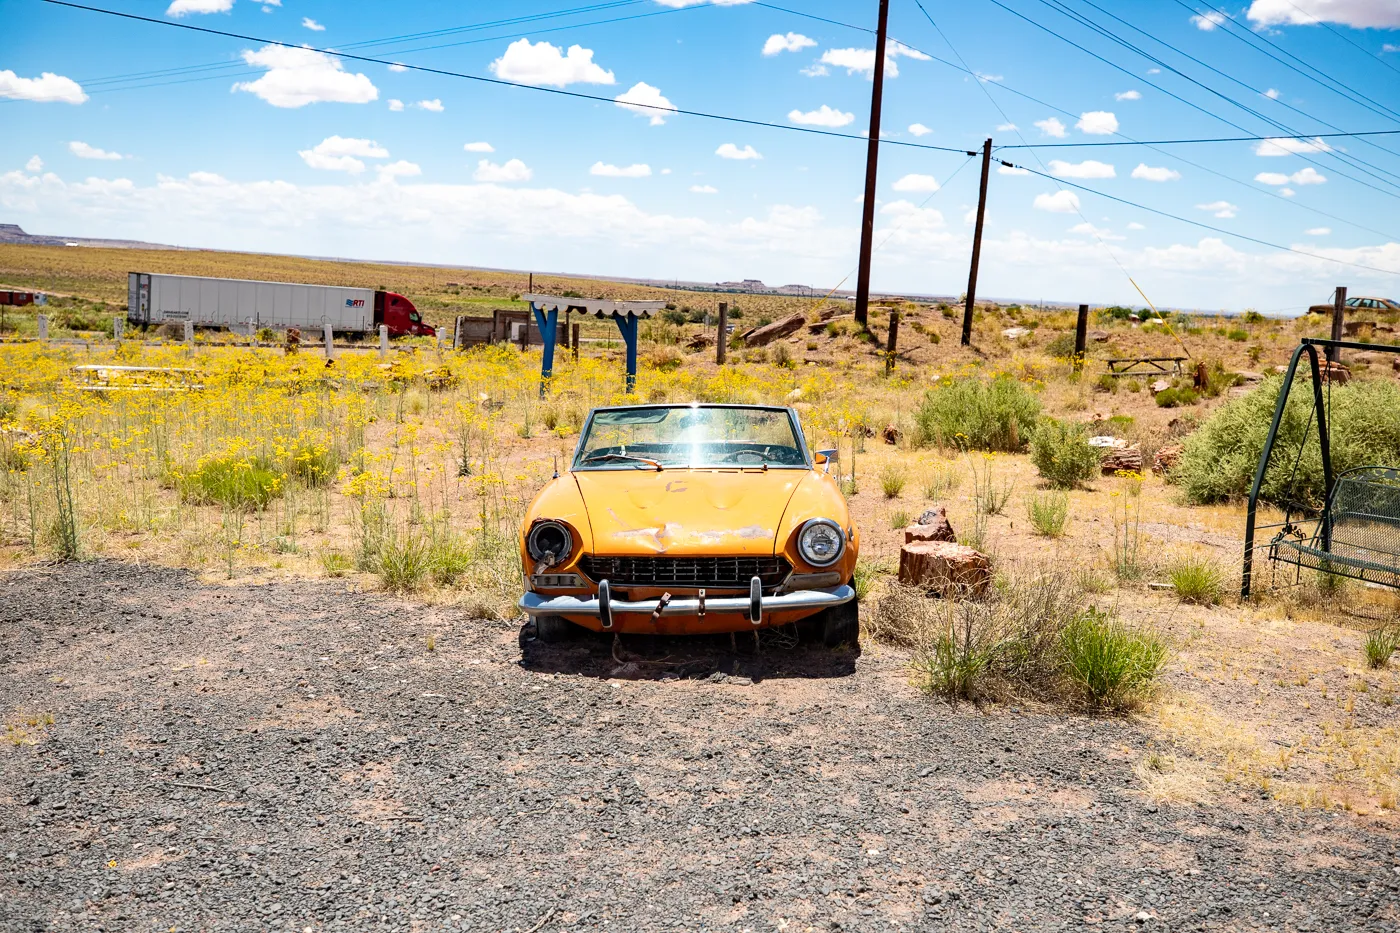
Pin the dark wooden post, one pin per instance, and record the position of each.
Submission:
(576, 330)
(976, 246)
(1081, 335)
(893, 340)
(530, 289)
(872, 157)
(722, 335)
(1339, 307)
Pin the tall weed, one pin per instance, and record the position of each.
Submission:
(995, 414)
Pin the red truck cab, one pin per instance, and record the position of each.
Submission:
(401, 317)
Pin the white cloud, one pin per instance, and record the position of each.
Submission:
(918, 129)
(1390, 48)
(395, 105)
(1209, 20)
(339, 154)
(1052, 127)
(1136, 226)
(1306, 176)
(913, 218)
(822, 116)
(731, 151)
(1147, 172)
(1006, 128)
(297, 77)
(792, 42)
(1128, 95)
(309, 23)
(181, 7)
(920, 183)
(399, 169)
(677, 4)
(1089, 229)
(638, 170)
(704, 189)
(432, 106)
(1272, 93)
(83, 151)
(1086, 169)
(35, 164)
(1154, 71)
(665, 171)
(1097, 123)
(1222, 209)
(1061, 202)
(514, 170)
(815, 70)
(863, 60)
(47, 88)
(1011, 170)
(1286, 145)
(1287, 192)
(1359, 14)
(1320, 231)
(396, 67)
(643, 100)
(547, 64)
(478, 147)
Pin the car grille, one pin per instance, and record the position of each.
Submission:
(686, 571)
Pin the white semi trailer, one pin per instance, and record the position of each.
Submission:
(154, 298)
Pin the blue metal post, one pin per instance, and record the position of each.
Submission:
(627, 324)
(548, 322)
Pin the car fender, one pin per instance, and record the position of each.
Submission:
(818, 496)
(559, 500)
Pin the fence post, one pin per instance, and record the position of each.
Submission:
(118, 327)
(330, 340)
(893, 341)
(722, 335)
(189, 335)
(1339, 306)
(576, 329)
(1081, 335)
(44, 327)
(383, 340)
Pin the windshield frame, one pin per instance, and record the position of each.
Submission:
(576, 463)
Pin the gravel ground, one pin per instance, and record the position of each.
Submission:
(301, 757)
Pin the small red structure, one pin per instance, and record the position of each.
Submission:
(18, 299)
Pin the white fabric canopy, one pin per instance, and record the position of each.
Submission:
(595, 306)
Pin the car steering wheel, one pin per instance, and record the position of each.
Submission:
(734, 457)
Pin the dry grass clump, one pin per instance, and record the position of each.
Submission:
(1197, 580)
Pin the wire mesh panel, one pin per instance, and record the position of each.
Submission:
(1358, 535)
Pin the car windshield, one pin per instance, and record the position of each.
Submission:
(658, 437)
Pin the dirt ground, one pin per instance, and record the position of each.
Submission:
(296, 755)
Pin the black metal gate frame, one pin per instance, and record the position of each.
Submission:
(1310, 344)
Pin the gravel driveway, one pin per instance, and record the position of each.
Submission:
(302, 757)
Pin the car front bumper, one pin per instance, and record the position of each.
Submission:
(755, 606)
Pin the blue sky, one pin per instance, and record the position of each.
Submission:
(142, 131)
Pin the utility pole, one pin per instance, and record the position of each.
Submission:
(1339, 307)
(976, 245)
(1081, 333)
(872, 157)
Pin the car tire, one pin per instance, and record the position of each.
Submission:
(841, 624)
(554, 629)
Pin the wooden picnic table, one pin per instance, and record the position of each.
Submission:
(1154, 366)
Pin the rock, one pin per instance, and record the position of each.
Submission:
(891, 434)
(1167, 458)
(1015, 333)
(1161, 385)
(700, 341)
(818, 326)
(1121, 458)
(944, 568)
(1250, 377)
(1106, 440)
(1334, 372)
(762, 336)
(1395, 364)
(1098, 336)
(933, 525)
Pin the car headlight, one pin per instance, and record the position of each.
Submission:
(549, 539)
(821, 542)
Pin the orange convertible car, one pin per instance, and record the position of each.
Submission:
(679, 519)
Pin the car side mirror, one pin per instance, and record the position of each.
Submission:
(827, 458)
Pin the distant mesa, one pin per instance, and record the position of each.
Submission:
(15, 234)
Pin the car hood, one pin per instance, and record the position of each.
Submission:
(686, 512)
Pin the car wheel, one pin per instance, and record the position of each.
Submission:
(552, 629)
(841, 624)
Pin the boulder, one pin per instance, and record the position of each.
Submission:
(700, 341)
(1121, 458)
(891, 434)
(1015, 333)
(819, 326)
(933, 526)
(1395, 364)
(944, 568)
(1167, 457)
(1161, 385)
(762, 336)
(1098, 336)
(1334, 372)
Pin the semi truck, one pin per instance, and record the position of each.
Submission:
(155, 298)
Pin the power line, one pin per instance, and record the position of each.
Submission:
(1205, 226)
(1343, 36)
(559, 92)
(1213, 139)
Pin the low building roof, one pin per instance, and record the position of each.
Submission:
(598, 307)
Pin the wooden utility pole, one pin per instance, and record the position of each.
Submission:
(722, 335)
(1339, 307)
(1081, 336)
(872, 157)
(976, 245)
(893, 341)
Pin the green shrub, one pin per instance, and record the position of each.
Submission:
(1062, 454)
(1237, 334)
(240, 483)
(448, 557)
(1196, 580)
(1111, 664)
(995, 414)
(1061, 348)
(315, 464)
(1175, 398)
(673, 316)
(1219, 460)
(899, 518)
(1114, 313)
(1049, 513)
(782, 356)
(335, 564)
(893, 476)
